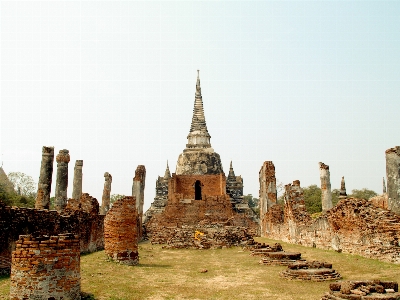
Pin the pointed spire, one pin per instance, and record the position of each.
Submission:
(167, 173)
(231, 175)
(198, 135)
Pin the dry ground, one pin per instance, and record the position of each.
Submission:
(232, 274)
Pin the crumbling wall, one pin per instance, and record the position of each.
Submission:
(121, 231)
(80, 217)
(46, 268)
(353, 226)
(380, 201)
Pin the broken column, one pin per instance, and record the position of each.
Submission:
(393, 178)
(267, 192)
(62, 180)
(342, 193)
(45, 178)
(105, 200)
(121, 232)
(46, 267)
(77, 185)
(326, 193)
(138, 192)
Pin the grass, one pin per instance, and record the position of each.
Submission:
(231, 274)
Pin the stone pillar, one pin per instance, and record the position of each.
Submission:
(138, 192)
(342, 193)
(121, 232)
(105, 200)
(384, 185)
(267, 192)
(46, 268)
(393, 178)
(326, 193)
(62, 180)
(45, 178)
(77, 184)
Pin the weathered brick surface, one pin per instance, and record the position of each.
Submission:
(45, 178)
(79, 217)
(380, 201)
(353, 226)
(393, 178)
(363, 290)
(121, 231)
(138, 186)
(267, 192)
(46, 268)
(61, 199)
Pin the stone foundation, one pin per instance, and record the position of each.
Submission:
(363, 290)
(46, 268)
(121, 232)
(281, 258)
(314, 271)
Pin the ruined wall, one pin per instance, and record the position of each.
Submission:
(353, 226)
(380, 201)
(211, 185)
(79, 218)
(121, 231)
(46, 268)
(267, 192)
(393, 178)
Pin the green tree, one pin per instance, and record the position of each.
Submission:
(24, 192)
(312, 198)
(362, 194)
(335, 196)
(115, 197)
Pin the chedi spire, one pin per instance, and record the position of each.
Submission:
(198, 136)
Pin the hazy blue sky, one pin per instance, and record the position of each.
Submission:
(295, 82)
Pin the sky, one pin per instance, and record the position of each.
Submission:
(293, 82)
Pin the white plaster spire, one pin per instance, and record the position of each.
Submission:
(198, 136)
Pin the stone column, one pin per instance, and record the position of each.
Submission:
(384, 185)
(393, 178)
(105, 200)
(138, 192)
(77, 184)
(62, 180)
(267, 192)
(45, 178)
(342, 193)
(326, 193)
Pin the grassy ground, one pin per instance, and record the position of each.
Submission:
(232, 274)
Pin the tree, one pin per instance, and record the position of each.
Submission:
(312, 198)
(115, 197)
(24, 193)
(362, 194)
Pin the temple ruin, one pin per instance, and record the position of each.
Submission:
(198, 192)
(77, 184)
(138, 186)
(325, 186)
(105, 200)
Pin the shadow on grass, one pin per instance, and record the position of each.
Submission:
(4, 277)
(152, 266)
(87, 296)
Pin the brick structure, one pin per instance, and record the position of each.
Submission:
(46, 268)
(326, 193)
(363, 290)
(267, 192)
(197, 192)
(161, 198)
(105, 200)
(314, 271)
(121, 231)
(393, 178)
(77, 184)
(45, 178)
(80, 217)
(138, 193)
(62, 180)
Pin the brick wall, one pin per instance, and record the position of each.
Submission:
(46, 268)
(121, 231)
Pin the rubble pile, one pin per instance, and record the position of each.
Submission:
(315, 271)
(203, 237)
(281, 258)
(262, 249)
(363, 290)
